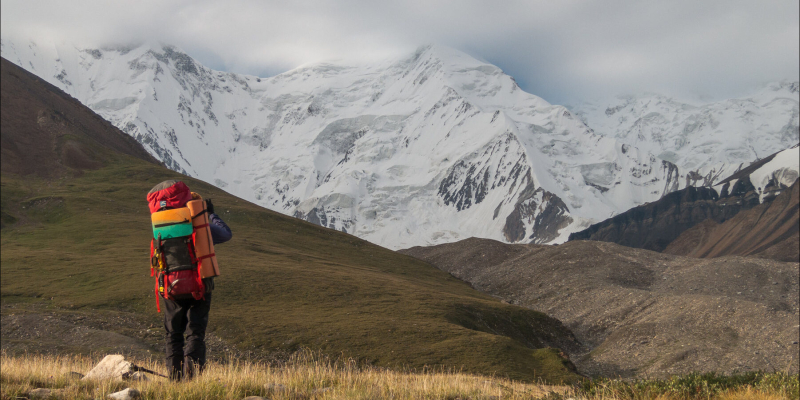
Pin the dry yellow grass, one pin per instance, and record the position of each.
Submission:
(750, 393)
(304, 377)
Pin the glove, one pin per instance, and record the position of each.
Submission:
(209, 206)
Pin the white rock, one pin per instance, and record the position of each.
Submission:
(113, 366)
(127, 394)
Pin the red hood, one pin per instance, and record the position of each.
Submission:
(174, 194)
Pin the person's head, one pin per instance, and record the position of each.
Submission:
(168, 194)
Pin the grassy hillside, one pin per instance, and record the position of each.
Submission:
(82, 244)
(75, 272)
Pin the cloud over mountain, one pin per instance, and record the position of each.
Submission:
(558, 50)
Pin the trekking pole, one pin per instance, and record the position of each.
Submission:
(137, 368)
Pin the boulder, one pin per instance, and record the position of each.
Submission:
(113, 366)
(127, 394)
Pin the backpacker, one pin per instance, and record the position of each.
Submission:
(174, 260)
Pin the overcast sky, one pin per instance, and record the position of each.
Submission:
(560, 50)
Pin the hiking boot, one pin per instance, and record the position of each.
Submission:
(189, 369)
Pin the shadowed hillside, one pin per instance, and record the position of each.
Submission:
(75, 275)
(653, 226)
(642, 313)
(49, 133)
(770, 230)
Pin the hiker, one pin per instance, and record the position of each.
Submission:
(184, 313)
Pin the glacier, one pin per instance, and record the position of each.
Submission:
(701, 136)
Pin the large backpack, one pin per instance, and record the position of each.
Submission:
(174, 259)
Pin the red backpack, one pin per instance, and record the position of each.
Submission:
(173, 259)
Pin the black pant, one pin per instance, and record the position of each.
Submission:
(190, 316)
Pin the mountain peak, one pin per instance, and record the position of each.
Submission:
(451, 59)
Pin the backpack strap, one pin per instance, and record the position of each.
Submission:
(199, 213)
(158, 305)
(152, 253)
(153, 271)
(194, 238)
(199, 262)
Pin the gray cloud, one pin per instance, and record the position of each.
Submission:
(559, 50)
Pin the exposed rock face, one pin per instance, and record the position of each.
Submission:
(770, 230)
(655, 225)
(539, 209)
(642, 313)
(500, 164)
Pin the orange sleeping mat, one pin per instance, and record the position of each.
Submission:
(203, 245)
(172, 223)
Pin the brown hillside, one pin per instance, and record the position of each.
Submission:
(771, 230)
(643, 313)
(46, 132)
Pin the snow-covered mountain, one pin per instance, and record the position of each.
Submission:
(424, 149)
(701, 136)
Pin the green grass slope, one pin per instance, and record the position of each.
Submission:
(75, 246)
